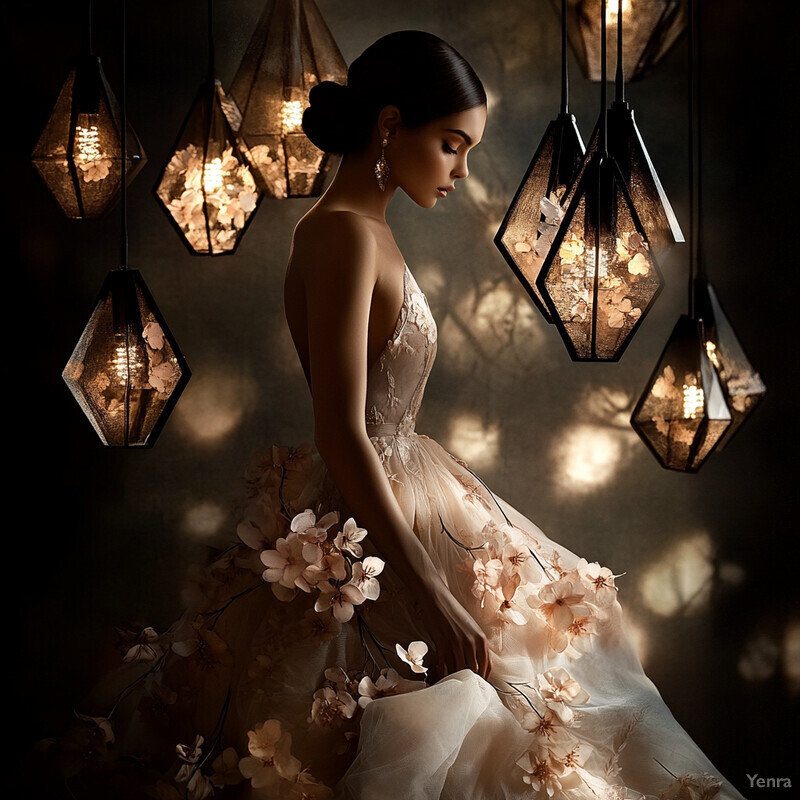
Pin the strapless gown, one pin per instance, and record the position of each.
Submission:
(298, 668)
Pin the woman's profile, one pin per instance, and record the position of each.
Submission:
(386, 626)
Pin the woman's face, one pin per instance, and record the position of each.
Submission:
(426, 161)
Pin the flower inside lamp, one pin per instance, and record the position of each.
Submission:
(207, 187)
(682, 416)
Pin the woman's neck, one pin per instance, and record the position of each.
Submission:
(354, 187)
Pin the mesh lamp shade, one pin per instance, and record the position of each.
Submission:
(651, 28)
(79, 153)
(290, 51)
(600, 278)
(207, 187)
(126, 371)
(741, 384)
(533, 218)
(682, 415)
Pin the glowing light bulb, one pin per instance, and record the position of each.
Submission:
(693, 399)
(212, 175)
(615, 8)
(126, 364)
(87, 143)
(291, 116)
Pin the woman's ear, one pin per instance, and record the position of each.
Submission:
(389, 120)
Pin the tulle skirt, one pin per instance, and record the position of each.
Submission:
(298, 669)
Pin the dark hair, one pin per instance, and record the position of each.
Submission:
(421, 74)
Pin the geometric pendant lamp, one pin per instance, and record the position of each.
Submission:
(653, 27)
(626, 146)
(290, 51)
(79, 153)
(207, 187)
(682, 414)
(741, 384)
(687, 412)
(126, 371)
(600, 277)
(533, 218)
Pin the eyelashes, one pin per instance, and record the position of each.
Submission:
(449, 150)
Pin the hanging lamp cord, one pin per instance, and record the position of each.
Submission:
(89, 31)
(603, 75)
(694, 151)
(211, 64)
(564, 78)
(124, 145)
(619, 80)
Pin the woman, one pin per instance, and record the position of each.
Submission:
(496, 600)
(533, 687)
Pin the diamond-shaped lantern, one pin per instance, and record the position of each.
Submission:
(600, 277)
(626, 146)
(208, 188)
(532, 220)
(741, 384)
(652, 27)
(290, 51)
(78, 154)
(682, 414)
(126, 371)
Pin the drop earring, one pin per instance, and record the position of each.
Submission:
(381, 168)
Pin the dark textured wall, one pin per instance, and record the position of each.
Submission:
(105, 536)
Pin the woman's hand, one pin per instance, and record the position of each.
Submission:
(458, 640)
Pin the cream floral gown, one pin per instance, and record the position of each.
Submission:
(298, 669)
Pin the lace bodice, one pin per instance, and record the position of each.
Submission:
(396, 380)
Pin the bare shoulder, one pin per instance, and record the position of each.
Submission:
(333, 242)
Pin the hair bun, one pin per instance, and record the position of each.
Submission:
(328, 120)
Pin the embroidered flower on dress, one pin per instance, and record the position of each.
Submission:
(270, 758)
(389, 683)
(599, 581)
(349, 537)
(312, 532)
(331, 707)
(364, 579)
(560, 691)
(139, 644)
(341, 599)
(414, 655)
(547, 774)
(285, 563)
(226, 769)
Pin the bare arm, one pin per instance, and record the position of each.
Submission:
(338, 302)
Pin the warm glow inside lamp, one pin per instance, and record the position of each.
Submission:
(290, 51)
(207, 187)
(126, 372)
(683, 414)
(600, 277)
(653, 27)
(531, 222)
(79, 152)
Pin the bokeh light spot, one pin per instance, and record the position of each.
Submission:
(474, 440)
(214, 404)
(204, 519)
(759, 659)
(680, 581)
(586, 457)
